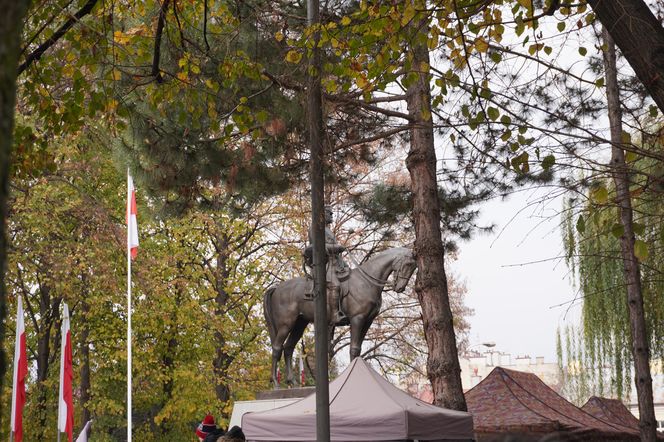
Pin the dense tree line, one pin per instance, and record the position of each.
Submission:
(203, 101)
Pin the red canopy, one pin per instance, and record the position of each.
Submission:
(509, 401)
(611, 410)
(363, 407)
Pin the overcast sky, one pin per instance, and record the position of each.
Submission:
(514, 304)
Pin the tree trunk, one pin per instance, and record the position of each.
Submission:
(640, 37)
(640, 349)
(431, 284)
(11, 23)
(84, 354)
(49, 310)
(222, 360)
(168, 359)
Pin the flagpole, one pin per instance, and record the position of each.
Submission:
(129, 425)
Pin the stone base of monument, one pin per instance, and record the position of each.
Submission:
(268, 400)
(285, 393)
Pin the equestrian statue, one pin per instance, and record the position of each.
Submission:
(354, 297)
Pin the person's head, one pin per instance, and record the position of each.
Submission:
(328, 214)
(205, 427)
(235, 434)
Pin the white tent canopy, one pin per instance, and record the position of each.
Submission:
(363, 407)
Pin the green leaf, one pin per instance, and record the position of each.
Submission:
(583, 51)
(617, 230)
(600, 194)
(548, 162)
(653, 111)
(520, 163)
(626, 138)
(580, 225)
(640, 250)
(639, 229)
(561, 26)
(520, 27)
(493, 113)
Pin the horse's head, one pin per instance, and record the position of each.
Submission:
(403, 266)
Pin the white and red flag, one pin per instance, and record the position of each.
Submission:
(20, 372)
(132, 224)
(66, 402)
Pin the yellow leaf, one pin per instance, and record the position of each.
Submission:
(362, 83)
(120, 38)
(345, 20)
(293, 56)
(279, 36)
(481, 45)
(183, 76)
(528, 4)
(640, 250)
(116, 74)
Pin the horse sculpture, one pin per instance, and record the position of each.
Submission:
(288, 310)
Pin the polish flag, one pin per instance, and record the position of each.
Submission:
(83, 437)
(302, 379)
(66, 402)
(20, 372)
(132, 224)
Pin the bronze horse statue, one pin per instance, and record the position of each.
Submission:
(288, 310)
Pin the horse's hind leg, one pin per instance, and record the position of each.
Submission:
(293, 338)
(277, 349)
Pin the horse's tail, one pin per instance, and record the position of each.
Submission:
(267, 311)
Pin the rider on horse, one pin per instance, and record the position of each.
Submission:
(337, 269)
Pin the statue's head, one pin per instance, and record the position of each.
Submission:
(405, 267)
(328, 215)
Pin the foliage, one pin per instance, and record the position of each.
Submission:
(593, 253)
(176, 325)
(65, 247)
(203, 101)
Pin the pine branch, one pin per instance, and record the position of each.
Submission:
(378, 136)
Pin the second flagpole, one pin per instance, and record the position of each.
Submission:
(129, 423)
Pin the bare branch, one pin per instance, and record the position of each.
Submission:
(37, 53)
(157, 42)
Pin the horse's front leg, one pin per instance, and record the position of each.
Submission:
(357, 324)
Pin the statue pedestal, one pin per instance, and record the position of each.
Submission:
(268, 400)
(285, 393)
